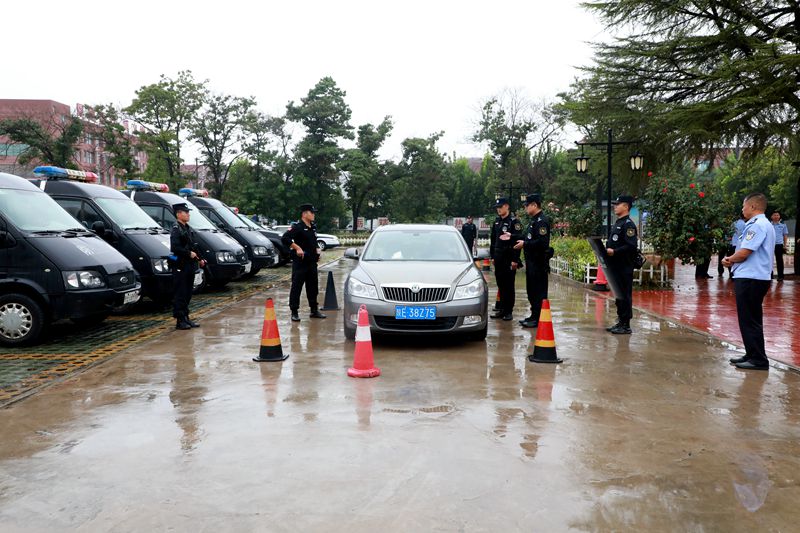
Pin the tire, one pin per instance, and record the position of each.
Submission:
(91, 320)
(349, 334)
(479, 335)
(321, 245)
(21, 320)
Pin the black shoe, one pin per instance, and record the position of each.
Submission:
(498, 314)
(508, 317)
(192, 323)
(295, 317)
(621, 330)
(780, 279)
(529, 323)
(609, 328)
(316, 314)
(526, 319)
(737, 360)
(183, 325)
(749, 365)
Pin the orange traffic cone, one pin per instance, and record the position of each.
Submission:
(600, 283)
(363, 364)
(544, 347)
(271, 350)
(487, 265)
(497, 301)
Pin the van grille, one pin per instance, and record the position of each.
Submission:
(424, 295)
(115, 281)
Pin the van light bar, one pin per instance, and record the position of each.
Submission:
(141, 185)
(51, 172)
(187, 191)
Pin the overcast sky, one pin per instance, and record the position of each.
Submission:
(426, 63)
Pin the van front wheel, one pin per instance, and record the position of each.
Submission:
(21, 320)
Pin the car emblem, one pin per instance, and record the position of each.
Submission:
(123, 279)
(415, 288)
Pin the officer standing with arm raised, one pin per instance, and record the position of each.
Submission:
(781, 240)
(506, 231)
(302, 239)
(536, 244)
(621, 249)
(469, 232)
(751, 266)
(184, 248)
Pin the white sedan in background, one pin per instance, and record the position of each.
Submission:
(324, 240)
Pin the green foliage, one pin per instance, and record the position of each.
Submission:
(165, 109)
(468, 194)
(52, 144)
(769, 172)
(687, 218)
(115, 139)
(576, 251)
(577, 221)
(420, 187)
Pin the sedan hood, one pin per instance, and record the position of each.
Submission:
(392, 272)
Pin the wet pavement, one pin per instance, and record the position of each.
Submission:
(650, 432)
(709, 305)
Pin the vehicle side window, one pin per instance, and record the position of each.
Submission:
(73, 207)
(215, 218)
(169, 219)
(90, 215)
(156, 213)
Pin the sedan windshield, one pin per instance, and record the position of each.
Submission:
(416, 246)
(24, 209)
(126, 213)
(230, 219)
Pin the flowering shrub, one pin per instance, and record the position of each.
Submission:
(687, 220)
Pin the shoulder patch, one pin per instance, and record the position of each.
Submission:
(543, 231)
(631, 232)
(518, 226)
(749, 235)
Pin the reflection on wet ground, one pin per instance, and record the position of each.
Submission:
(649, 432)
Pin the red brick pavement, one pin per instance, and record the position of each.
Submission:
(710, 305)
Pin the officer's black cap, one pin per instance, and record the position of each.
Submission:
(534, 198)
(500, 202)
(623, 199)
(180, 207)
(307, 207)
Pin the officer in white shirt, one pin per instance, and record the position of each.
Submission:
(781, 240)
(751, 265)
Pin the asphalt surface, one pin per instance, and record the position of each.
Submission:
(650, 432)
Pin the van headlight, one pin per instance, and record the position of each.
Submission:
(226, 257)
(362, 290)
(470, 290)
(161, 266)
(259, 250)
(83, 279)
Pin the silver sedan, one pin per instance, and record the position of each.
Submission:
(414, 279)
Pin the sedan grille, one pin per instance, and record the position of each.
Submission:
(122, 280)
(423, 295)
(439, 324)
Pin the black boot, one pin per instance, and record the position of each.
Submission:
(316, 314)
(295, 316)
(182, 324)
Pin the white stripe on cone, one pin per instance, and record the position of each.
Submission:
(362, 334)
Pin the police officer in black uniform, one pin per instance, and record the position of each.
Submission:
(186, 258)
(469, 232)
(536, 244)
(302, 239)
(506, 231)
(621, 250)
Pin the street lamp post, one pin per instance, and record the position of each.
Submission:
(582, 164)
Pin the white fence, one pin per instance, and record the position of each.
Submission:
(588, 273)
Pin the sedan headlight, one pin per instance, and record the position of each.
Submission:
(226, 257)
(83, 279)
(362, 290)
(259, 250)
(161, 266)
(470, 290)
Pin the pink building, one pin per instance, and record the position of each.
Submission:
(89, 152)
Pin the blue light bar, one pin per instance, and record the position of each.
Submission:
(188, 191)
(52, 172)
(141, 185)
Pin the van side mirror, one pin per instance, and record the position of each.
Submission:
(99, 227)
(7, 240)
(352, 253)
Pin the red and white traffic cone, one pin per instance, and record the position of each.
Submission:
(363, 363)
(600, 283)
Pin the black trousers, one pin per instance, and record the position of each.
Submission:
(536, 285)
(470, 243)
(727, 250)
(749, 308)
(624, 301)
(182, 284)
(779, 259)
(701, 269)
(505, 277)
(304, 274)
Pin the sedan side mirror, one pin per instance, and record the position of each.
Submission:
(352, 253)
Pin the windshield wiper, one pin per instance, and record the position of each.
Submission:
(49, 231)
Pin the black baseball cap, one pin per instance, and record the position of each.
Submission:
(307, 207)
(623, 199)
(500, 202)
(534, 198)
(180, 207)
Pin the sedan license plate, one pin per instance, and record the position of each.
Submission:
(247, 267)
(130, 297)
(414, 312)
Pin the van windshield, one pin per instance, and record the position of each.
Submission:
(230, 219)
(126, 213)
(250, 223)
(34, 211)
(198, 220)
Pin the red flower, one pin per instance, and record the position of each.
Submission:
(650, 174)
(691, 185)
(701, 194)
(665, 189)
(691, 239)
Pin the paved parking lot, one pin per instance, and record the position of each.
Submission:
(651, 432)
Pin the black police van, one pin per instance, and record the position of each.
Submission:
(52, 268)
(281, 250)
(259, 249)
(119, 221)
(225, 258)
